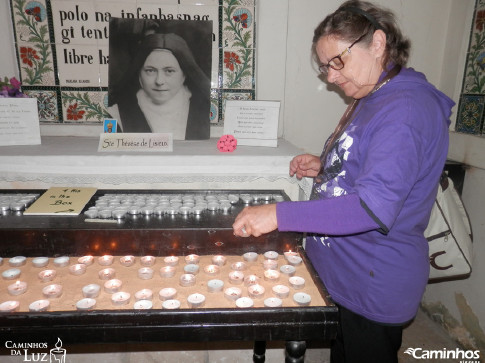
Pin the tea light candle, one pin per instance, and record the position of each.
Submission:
(40, 261)
(232, 293)
(143, 305)
(244, 302)
(288, 270)
(192, 259)
(127, 261)
(52, 291)
(219, 260)
(86, 260)
(281, 291)
(191, 269)
(77, 269)
(144, 294)
(105, 260)
(112, 286)
(107, 273)
(195, 300)
(39, 305)
(187, 280)
(167, 293)
(61, 261)
(302, 298)
(236, 277)
(171, 260)
(86, 304)
(294, 260)
(297, 282)
(256, 291)
(251, 280)
(47, 275)
(271, 275)
(11, 274)
(215, 285)
(171, 304)
(250, 256)
(167, 271)
(91, 290)
(17, 261)
(270, 264)
(9, 306)
(120, 298)
(147, 260)
(145, 273)
(211, 270)
(239, 266)
(290, 253)
(273, 302)
(18, 288)
(271, 255)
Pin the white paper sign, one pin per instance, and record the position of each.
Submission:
(153, 142)
(253, 123)
(19, 121)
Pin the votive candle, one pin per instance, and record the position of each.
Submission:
(127, 261)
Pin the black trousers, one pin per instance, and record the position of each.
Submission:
(360, 340)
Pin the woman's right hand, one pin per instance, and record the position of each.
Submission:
(305, 165)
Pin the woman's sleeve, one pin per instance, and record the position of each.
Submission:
(334, 216)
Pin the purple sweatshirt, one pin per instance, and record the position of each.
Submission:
(366, 221)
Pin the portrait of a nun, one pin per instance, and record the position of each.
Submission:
(165, 90)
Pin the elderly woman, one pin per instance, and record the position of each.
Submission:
(374, 184)
(168, 93)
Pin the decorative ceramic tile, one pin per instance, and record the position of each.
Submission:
(36, 64)
(63, 50)
(238, 68)
(474, 81)
(238, 27)
(82, 106)
(233, 96)
(470, 117)
(471, 114)
(214, 108)
(47, 105)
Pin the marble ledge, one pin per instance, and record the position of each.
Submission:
(75, 161)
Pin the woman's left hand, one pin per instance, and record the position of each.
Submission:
(256, 221)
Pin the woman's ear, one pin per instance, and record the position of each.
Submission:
(379, 40)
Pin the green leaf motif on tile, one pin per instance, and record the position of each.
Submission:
(237, 65)
(80, 106)
(35, 62)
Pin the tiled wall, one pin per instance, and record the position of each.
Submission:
(52, 36)
(471, 109)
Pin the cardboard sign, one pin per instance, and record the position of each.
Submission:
(61, 201)
(152, 142)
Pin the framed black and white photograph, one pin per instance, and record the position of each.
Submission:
(159, 76)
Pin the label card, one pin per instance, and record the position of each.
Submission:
(252, 123)
(61, 201)
(152, 142)
(19, 121)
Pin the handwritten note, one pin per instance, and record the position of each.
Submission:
(19, 121)
(253, 123)
(61, 201)
(151, 142)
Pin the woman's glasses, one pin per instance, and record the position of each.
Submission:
(336, 62)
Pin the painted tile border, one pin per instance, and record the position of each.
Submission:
(471, 115)
(36, 51)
